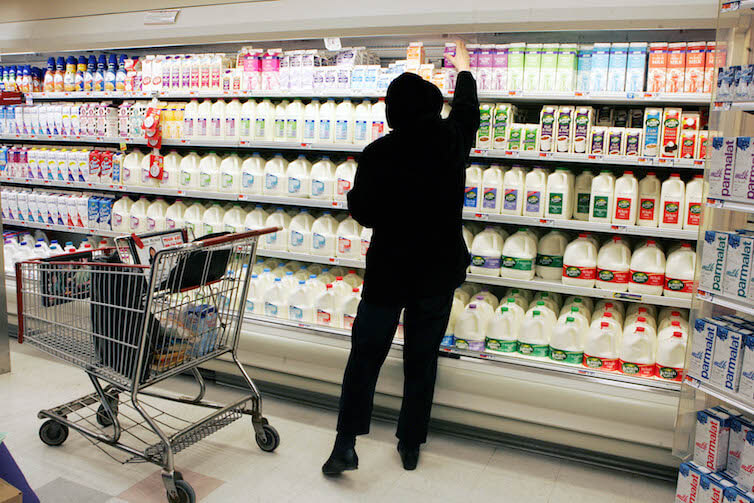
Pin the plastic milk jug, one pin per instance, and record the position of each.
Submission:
(213, 219)
(566, 342)
(503, 330)
(230, 174)
(679, 272)
(174, 215)
(281, 113)
(301, 304)
(609, 305)
(486, 253)
(344, 177)
(192, 219)
(362, 122)
(264, 121)
(344, 122)
(534, 335)
(234, 218)
(246, 120)
(190, 119)
(300, 237)
(647, 274)
(473, 190)
(601, 346)
(671, 353)
(672, 198)
(274, 176)
(626, 199)
(324, 235)
(519, 253)
(138, 214)
(170, 169)
(325, 307)
(156, 214)
(513, 191)
(232, 120)
(517, 303)
(131, 173)
(255, 220)
(613, 264)
(553, 296)
(188, 177)
(637, 352)
(121, 215)
(471, 326)
(379, 120)
(694, 205)
(602, 198)
(298, 177)
(274, 300)
(550, 250)
(560, 195)
(322, 179)
(649, 201)
(278, 240)
(252, 174)
(209, 172)
(639, 321)
(545, 310)
(488, 297)
(294, 121)
(583, 195)
(349, 239)
(310, 130)
(580, 263)
(492, 189)
(536, 191)
(144, 179)
(580, 318)
(366, 240)
(326, 132)
(641, 313)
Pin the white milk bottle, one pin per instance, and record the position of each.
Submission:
(473, 189)
(192, 219)
(536, 190)
(503, 330)
(679, 272)
(274, 301)
(213, 219)
(300, 237)
(366, 240)
(513, 191)
(326, 130)
(601, 346)
(580, 263)
(550, 250)
(281, 114)
(156, 213)
(301, 304)
(456, 309)
(234, 219)
(264, 119)
(672, 316)
(256, 220)
(170, 169)
(613, 264)
(583, 303)
(518, 303)
(326, 308)
(534, 335)
(252, 174)
(310, 131)
(131, 173)
(230, 174)
(694, 205)
(609, 305)
(545, 310)
(492, 189)
(566, 343)
(138, 214)
(349, 239)
(486, 253)
(672, 198)
(232, 129)
(671, 353)
(121, 214)
(294, 121)
(246, 120)
(634, 313)
(580, 318)
(637, 352)
(322, 179)
(602, 197)
(203, 119)
(324, 235)
(487, 297)
(274, 176)
(647, 274)
(298, 177)
(209, 172)
(188, 177)
(519, 253)
(639, 321)
(353, 279)
(626, 199)
(362, 122)
(278, 240)
(471, 326)
(344, 177)
(190, 119)
(174, 215)
(649, 201)
(145, 180)
(560, 195)
(583, 195)
(379, 127)
(344, 122)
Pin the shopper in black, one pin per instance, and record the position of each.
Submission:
(409, 189)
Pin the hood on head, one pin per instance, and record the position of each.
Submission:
(409, 99)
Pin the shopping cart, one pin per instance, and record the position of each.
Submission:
(132, 326)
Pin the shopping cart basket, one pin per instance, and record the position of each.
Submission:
(132, 326)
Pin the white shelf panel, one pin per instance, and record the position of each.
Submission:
(62, 228)
(725, 301)
(305, 257)
(731, 204)
(727, 397)
(647, 162)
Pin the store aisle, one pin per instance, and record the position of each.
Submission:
(228, 466)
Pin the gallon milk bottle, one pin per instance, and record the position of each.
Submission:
(300, 304)
(379, 120)
(294, 120)
(519, 252)
(192, 219)
(534, 335)
(672, 198)
(579, 318)
(473, 189)
(550, 250)
(560, 195)
(349, 239)
(695, 194)
(326, 130)
(679, 272)
(281, 113)
(366, 240)
(278, 240)
(486, 253)
(234, 219)
(324, 238)
(145, 180)
(601, 346)
(471, 326)
(671, 353)
(174, 215)
(580, 263)
(344, 122)
(626, 199)
(362, 122)
(188, 176)
(203, 115)
(274, 300)
(639, 321)
(536, 190)
(310, 130)
(264, 121)
(213, 219)
(170, 169)
(566, 343)
(209, 172)
(456, 309)
(605, 305)
(300, 236)
(190, 118)
(121, 214)
(602, 197)
(503, 330)
(344, 177)
(156, 214)
(138, 213)
(252, 174)
(513, 191)
(647, 274)
(246, 120)
(581, 303)
(613, 264)
(299, 177)
(232, 120)
(326, 308)
(255, 220)
(274, 176)
(492, 189)
(131, 173)
(637, 352)
(649, 201)
(230, 174)
(583, 195)
(322, 179)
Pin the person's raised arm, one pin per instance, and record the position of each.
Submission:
(465, 106)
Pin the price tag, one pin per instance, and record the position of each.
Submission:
(578, 94)
(730, 6)
(512, 93)
(545, 154)
(122, 146)
(627, 296)
(618, 228)
(547, 221)
(241, 197)
(333, 43)
(715, 203)
(481, 216)
(693, 382)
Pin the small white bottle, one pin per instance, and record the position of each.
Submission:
(492, 189)
(649, 201)
(344, 122)
(513, 191)
(694, 205)
(536, 191)
(583, 195)
(626, 199)
(252, 174)
(473, 189)
(672, 198)
(602, 197)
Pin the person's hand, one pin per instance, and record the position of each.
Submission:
(461, 60)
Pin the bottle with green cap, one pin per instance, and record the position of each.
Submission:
(503, 330)
(534, 335)
(578, 317)
(519, 253)
(566, 342)
(545, 311)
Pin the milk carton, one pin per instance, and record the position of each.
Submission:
(722, 166)
(676, 67)
(547, 128)
(582, 123)
(532, 63)
(616, 75)
(516, 53)
(671, 129)
(711, 439)
(745, 476)
(635, 65)
(565, 128)
(726, 362)
(714, 255)
(501, 122)
(548, 67)
(712, 488)
(689, 478)
(739, 428)
(565, 79)
(736, 495)
(743, 171)
(652, 123)
(484, 133)
(702, 349)
(738, 263)
(584, 67)
(600, 67)
(657, 67)
(746, 382)
(743, 79)
(693, 80)
(500, 68)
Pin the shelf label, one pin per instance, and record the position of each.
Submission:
(481, 216)
(730, 6)
(547, 221)
(627, 296)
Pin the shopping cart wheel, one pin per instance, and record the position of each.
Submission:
(53, 433)
(186, 493)
(271, 439)
(103, 418)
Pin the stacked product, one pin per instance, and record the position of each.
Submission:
(726, 264)
(731, 174)
(735, 83)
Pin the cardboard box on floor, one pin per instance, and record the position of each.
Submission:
(9, 494)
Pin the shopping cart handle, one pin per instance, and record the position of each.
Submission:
(235, 236)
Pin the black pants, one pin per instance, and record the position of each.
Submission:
(424, 324)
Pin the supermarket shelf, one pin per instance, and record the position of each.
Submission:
(732, 204)
(62, 228)
(305, 257)
(498, 359)
(736, 5)
(725, 396)
(725, 301)
(588, 158)
(582, 226)
(741, 106)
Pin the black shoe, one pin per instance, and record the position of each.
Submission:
(340, 461)
(409, 456)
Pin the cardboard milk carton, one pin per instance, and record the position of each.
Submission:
(582, 123)
(516, 58)
(532, 64)
(710, 55)
(547, 128)
(565, 124)
(500, 68)
(689, 477)
(693, 80)
(676, 67)
(600, 67)
(743, 171)
(548, 67)
(565, 78)
(712, 487)
(652, 128)
(657, 67)
(726, 362)
(739, 428)
(722, 165)
(635, 66)
(746, 384)
(738, 263)
(503, 116)
(745, 475)
(584, 67)
(714, 254)
(616, 74)
(711, 439)
(702, 349)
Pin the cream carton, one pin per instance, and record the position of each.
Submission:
(600, 67)
(636, 63)
(565, 78)
(702, 349)
(530, 137)
(671, 132)
(564, 128)
(582, 124)
(726, 362)
(746, 383)
(714, 254)
(633, 141)
(484, 133)
(503, 116)
(657, 67)
(616, 141)
(676, 67)
(737, 279)
(516, 54)
(484, 62)
(722, 165)
(652, 122)
(616, 74)
(711, 439)
(500, 68)
(584, 67)
(693, 80)
(742, 186)
(548, 67)
(739, 428)
(745, 476)
(598, 140)
(532, 64)
(515, 136)
(547, 127)
(689, 478)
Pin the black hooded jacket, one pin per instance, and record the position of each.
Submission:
(409, 189)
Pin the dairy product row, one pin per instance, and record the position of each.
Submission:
(735, 83)
(560, 195)
(731, 173)
(726, 263)
(584, 262)
(605, 335)
(651, 132)
(21, 246)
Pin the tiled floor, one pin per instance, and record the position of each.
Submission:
(228, 467)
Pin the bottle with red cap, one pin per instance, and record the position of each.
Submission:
(626, 199)
(679, 272)
(601, 344)
(649, 201)
(671, 351)
(638, 351)
(613, 264)
(695, 194)
(647, 273)
(344, 176)
(580, 262)
(672, 199)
